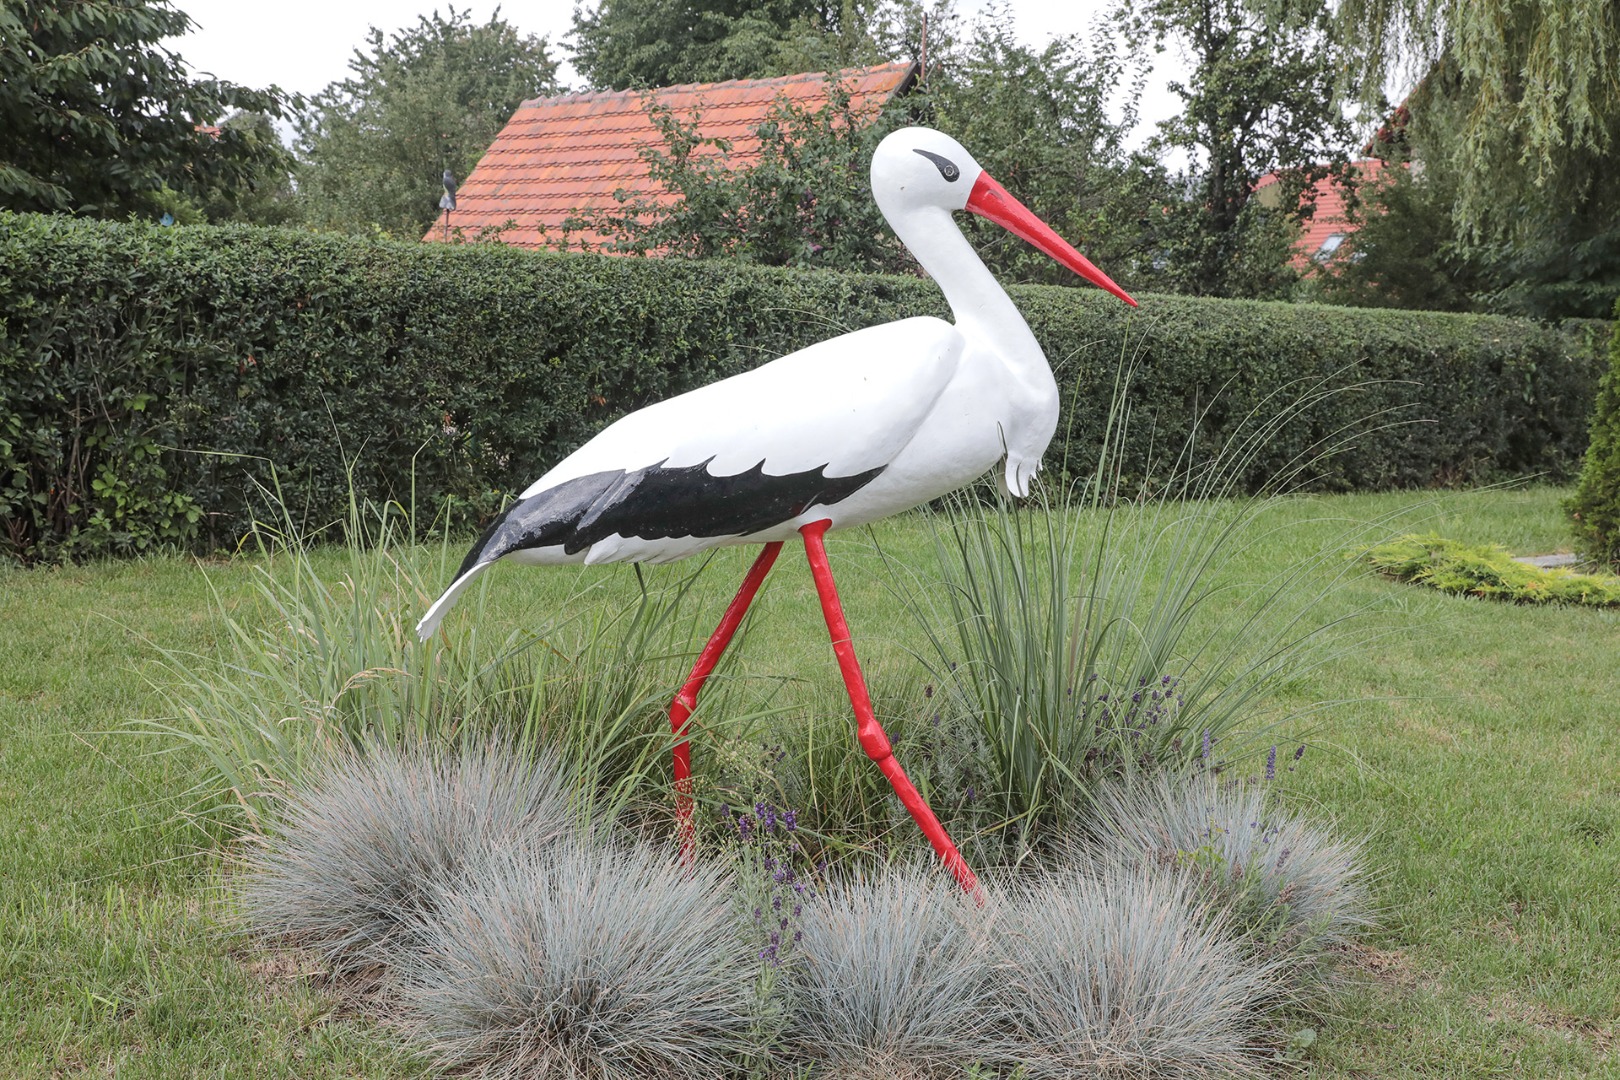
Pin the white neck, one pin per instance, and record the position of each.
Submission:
(981, 307)
(986, 317)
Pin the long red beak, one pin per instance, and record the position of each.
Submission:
(990, 200)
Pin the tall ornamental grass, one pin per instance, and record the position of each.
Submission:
(326, 660)
(1087, 637)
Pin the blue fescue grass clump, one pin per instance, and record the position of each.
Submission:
(894, 977)
(1122, 971)
(361, 847)
(1290, 889)
(584, 960)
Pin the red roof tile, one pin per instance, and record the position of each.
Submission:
(1330, 219)
(560, 155)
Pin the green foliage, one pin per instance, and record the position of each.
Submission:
(266, 199)
(641, 44)
(1414, 248)
(1405, 252)
(1538, 103)
(1487, 570)
(444, 376)
(98, 117)
(1259, 99)
(1039, 122)
(804, 202)
(1595, 506)
(430, 98)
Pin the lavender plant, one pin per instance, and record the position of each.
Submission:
(772, 877)
(583, 962)
(773, 884)
(362, 845)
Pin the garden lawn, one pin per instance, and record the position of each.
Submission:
(1476, 747)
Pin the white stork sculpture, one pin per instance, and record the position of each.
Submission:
(842, 433)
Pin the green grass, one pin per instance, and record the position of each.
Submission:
(1476, 748)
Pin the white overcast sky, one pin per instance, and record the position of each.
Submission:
(303, 45)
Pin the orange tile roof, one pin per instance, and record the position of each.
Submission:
(560, 155)
(1330, 219)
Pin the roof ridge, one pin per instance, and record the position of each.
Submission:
(776, 80)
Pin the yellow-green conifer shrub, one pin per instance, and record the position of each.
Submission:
(1594, 509)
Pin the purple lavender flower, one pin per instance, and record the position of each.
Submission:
(1208, 743)
(1271, 764)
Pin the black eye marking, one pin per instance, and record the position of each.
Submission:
(947, 167)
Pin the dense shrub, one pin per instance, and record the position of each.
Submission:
(150, 379)
(1487, 570)
(1595, 506)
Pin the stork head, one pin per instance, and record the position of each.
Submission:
(921, 167)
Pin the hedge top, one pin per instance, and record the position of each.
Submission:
(151, 378)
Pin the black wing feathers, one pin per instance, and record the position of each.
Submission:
(657, 503)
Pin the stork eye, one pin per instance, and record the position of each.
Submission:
(947, 168)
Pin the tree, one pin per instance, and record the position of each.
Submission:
(805, 201)
(1536, 82)
(1517, 105)
(1039, 122)
(1404, 252)
(644, 44)
(265, 197)
(1260, 98)
(432, 97)
(96, 118)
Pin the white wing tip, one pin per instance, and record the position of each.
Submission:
(435, 614)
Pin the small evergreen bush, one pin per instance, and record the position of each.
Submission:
(1594, 509)
(1487, 570)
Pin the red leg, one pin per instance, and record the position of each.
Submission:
(867, 728)
(680, 710)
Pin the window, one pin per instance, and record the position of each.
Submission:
(1328, 248)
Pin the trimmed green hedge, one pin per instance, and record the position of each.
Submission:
(150, 377)
(1594, 509)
